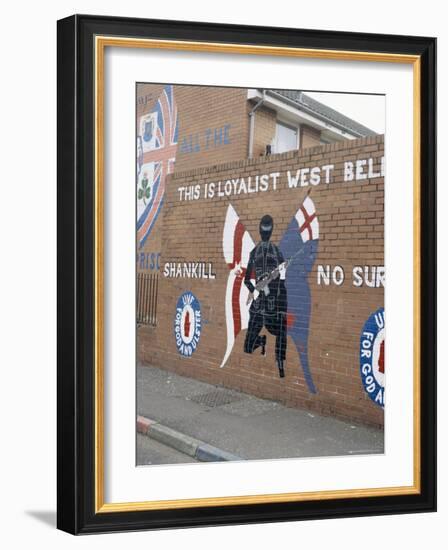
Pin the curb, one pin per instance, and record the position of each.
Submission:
(184, 443)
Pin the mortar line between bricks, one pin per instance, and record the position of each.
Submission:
(202, 451)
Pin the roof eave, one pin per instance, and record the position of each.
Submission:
(316, 114)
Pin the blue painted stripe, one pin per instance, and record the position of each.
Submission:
(149, 206)
(146, 235)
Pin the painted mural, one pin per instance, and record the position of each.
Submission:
(187, 324)
(270, 270)
(372, 355)
(268, 284)
(156, 153)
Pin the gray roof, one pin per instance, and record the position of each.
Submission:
(319, 110)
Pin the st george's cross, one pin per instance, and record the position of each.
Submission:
(307, 220)
(156, 154)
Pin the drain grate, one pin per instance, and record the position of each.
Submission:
(216, 398)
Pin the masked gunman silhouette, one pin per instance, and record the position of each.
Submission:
(269, 298)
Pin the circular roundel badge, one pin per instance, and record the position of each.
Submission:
(187, 324)
(371, 352)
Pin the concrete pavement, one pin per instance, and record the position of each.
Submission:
(153, 452)
(183, 443)
(244, 425)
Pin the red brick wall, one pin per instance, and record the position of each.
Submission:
(351, 219)
(213, 123)
(212, 129)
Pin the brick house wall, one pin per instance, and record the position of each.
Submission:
(264, 129)
(350, 210)
(309, 137)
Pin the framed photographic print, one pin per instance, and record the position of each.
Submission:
(230, 199)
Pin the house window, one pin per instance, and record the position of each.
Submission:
(285, 138)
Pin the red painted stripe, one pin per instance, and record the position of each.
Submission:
(381, 357)
(153, 210)
(160, 154)
(236, 291)
(152, 213)
(165, 108)
(238, 243)
(290, 319)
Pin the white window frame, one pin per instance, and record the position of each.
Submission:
(290, 125)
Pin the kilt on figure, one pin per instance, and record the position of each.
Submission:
(269, 308)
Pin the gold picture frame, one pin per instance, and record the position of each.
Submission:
(80, 35)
